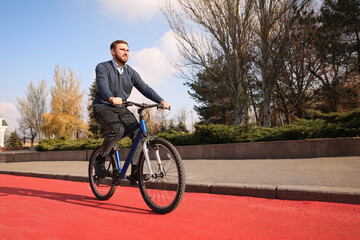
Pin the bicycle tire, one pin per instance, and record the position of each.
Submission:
(103, 188)
(162, 193)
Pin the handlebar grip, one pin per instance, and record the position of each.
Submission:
(161, 106)
(127, 104)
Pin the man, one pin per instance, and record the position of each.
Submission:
(115, 80)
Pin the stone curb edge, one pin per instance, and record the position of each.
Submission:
(303, 193)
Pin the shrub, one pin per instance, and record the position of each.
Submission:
(64, 144)
(177, 138)
(316, 125)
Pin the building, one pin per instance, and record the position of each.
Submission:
(3, 127)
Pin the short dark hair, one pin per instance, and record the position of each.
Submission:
(113, 44)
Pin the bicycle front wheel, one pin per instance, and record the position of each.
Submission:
(164, 191)
(103, 188)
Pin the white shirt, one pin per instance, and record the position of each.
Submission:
(117, 66)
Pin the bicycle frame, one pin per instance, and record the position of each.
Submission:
(142, 131)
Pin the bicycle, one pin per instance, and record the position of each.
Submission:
(159, 159)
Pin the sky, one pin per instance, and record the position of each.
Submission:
(37, 35)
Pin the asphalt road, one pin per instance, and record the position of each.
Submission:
(340, 172)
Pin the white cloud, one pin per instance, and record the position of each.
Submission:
(168, 44)
(129, 11)
(151, 64)
(153, 67)
(154, 64)
(9, 112)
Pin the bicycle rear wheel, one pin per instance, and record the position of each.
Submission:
(103, 188)
(164, 191)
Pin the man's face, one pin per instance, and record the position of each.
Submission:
(121, 53)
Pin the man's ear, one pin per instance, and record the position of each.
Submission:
(112, 51)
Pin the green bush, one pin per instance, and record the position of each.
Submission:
(177, 138)
(64, 144)
(337, 124)
(219, 133)
(315, 125)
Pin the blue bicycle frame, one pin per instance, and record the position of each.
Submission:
(137, 140)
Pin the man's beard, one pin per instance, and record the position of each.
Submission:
(120, 60)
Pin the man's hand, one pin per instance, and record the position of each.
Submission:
(165, 105)
(115, 101)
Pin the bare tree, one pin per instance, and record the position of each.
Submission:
(31, 109)
(294, 90)
(338, 48)
(207, 30)
(181, 119)
(163, 118)
(272, 26)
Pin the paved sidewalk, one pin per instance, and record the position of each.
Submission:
(334, 179)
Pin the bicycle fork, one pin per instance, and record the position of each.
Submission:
(146, 152)
(158, 159)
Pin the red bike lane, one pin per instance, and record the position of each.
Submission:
(35, 208)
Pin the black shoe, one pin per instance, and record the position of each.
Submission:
(100, 170)
(134, 178)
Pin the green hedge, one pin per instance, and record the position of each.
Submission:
(316, 125)
(64, 144)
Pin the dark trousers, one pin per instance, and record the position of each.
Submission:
(117, 121)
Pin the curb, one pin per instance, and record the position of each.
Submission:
(291, 192)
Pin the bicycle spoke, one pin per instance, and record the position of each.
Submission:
(103, 188)
(164, 191)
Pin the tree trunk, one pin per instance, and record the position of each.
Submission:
(33, 136)
(254, 106)
(237, 113)
(246, 112)
(266, 94)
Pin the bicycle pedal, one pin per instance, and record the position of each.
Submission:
(132, 180)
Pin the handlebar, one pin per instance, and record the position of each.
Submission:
(141, 105)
